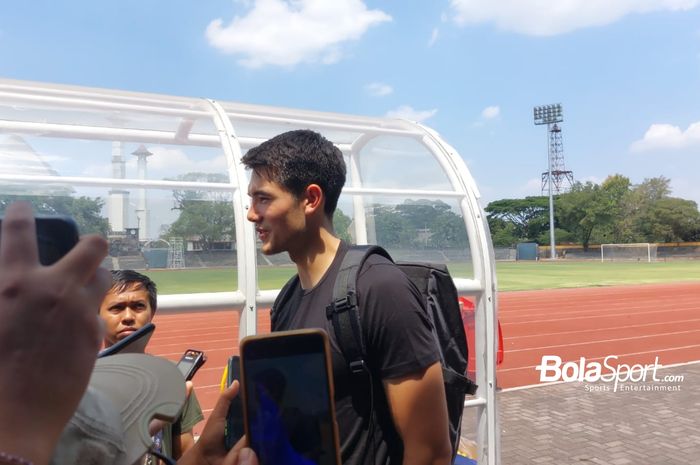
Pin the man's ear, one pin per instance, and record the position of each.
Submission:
(314, 198)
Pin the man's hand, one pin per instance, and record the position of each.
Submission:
(209, 449)
(49, 335)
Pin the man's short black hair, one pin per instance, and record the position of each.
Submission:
(296, 159)
(123, 280)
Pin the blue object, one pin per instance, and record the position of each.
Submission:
(461, 460)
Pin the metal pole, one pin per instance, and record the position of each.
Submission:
(552, 253)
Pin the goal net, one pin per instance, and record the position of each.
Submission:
(644, 252)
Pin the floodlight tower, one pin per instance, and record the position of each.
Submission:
(556, 175)
(142, 154)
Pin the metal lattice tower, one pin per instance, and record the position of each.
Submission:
(562, 180)
(555, 175)
(176, 257)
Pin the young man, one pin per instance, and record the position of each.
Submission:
(131, 303)
(399, 414)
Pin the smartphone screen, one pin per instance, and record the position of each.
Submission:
(288, 398)
(134, 343)
(234, 428)
(190, 362)
(56, 236)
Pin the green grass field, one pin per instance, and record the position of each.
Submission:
(511, 275)
(551, 275)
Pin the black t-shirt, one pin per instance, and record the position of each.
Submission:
(399, 342)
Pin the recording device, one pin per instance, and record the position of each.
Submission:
(191, 361)
(234, 428)
(56, 236)
(287, 387)
(134, 343)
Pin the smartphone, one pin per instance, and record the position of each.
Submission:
(134, 343)
(56, 236)
(234, 429)
(191, 361)
(288, 404)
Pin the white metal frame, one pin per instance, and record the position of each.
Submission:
(246, 297)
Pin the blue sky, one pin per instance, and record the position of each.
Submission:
(626, 71)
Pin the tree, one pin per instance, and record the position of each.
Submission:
(392, 228)
(205, 216)
(182, 196)
(503, 233)
(84, 210)
(651, 215)
(420, 214)
(205, 222)
(529, 216)
(341, 225)
(668, 219)
(614, 191)
(447, 231)
(419, 223)
(589, 207)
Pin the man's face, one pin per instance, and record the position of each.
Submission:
(278, 215)
(125, 312)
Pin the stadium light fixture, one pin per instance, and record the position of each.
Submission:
(549, 114)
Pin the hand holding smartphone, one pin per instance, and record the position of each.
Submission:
(234, 428)
(191, 361)
(288, 404)
(134, 343)
(56, 236)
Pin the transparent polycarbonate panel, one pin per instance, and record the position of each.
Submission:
(273, 270)
(411, 229)
(181, 120)
(30, 154)
(258, 122)
(263, 130)
(183, 239)
(396, 162)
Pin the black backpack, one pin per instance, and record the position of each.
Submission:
(435, 284)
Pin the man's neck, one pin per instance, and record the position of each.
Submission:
(315, 257)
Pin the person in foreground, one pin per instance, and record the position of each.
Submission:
(130, 303)
(399, 415)
(49, 336)
(49, 331)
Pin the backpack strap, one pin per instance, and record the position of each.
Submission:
(282, 298)
(343, 310)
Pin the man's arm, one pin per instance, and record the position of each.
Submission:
(419, 411)
(183, 438)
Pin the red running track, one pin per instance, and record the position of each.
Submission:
(635, 323)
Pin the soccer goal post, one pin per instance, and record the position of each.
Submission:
(643, 252)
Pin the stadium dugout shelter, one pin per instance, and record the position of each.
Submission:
(158, 165)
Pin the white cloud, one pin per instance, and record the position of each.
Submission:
(546, 18)
(289, 32)
(661, 136)
(407, 112)
(491, 112)
(434, 37)
(379, 89)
